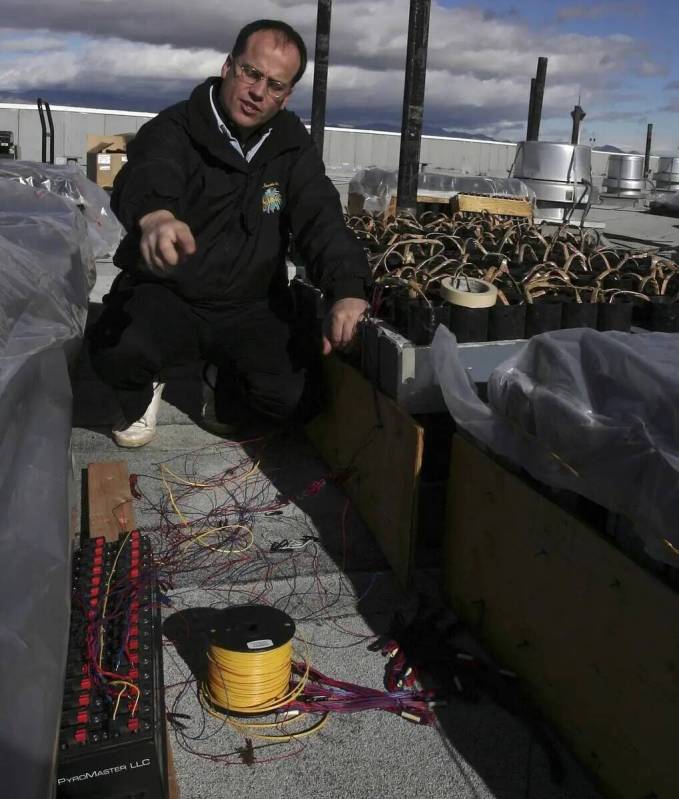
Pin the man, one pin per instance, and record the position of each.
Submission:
(213, 189)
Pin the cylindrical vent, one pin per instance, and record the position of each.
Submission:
(667, 175)
(625, 176)
(559, 174)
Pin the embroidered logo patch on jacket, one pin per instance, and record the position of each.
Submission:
(271, 199)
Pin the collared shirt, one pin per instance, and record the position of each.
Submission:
(251, 152)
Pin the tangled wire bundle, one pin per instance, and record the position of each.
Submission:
(410, 257)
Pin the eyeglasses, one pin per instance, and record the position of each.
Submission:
(251, 76)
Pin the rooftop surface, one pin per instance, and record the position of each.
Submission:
(341, 594)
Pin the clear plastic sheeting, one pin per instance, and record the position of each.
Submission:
(70, 183)
(378, 186)
(665, 200)
(594, 413)
(45, 254)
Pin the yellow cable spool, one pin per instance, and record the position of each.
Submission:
(250, 660)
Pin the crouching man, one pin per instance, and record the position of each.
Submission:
(213, 189)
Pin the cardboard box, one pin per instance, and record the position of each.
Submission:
(103, 167)
(106, 155)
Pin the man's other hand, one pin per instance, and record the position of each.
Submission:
(165, 241)
(339, 326)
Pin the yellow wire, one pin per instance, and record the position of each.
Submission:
(126, 684)
(106, 595)
(197, 539)
(187, 523)
(670, 546)
(254, 683)
(250, 682)
(250, 729)
(191, 484)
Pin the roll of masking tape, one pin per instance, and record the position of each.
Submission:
(469, 292)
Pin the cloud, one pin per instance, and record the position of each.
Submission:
(672, 86)
(650, 69)
(597, 10)
(18, 42)
(619, 116)
(479, 64)
(672, 107)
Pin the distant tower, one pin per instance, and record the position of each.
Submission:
(577, 115)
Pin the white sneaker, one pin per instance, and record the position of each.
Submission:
(208, 413)
(142, 431)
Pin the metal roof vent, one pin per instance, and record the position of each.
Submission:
(625, 176)
(560, 175)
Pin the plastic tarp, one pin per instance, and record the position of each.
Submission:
(45, 257)
(70, 183)
(377, 186)
(594, 413)
(666, 200)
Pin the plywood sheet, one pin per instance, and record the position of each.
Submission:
(111, 511)
(594, 636)
(380, 446)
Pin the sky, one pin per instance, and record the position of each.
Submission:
(142, 55)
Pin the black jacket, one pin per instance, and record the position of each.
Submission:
(241, 214)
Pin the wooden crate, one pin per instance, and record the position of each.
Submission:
(593, 635)
(380, 445)
(499, 206)
(448, 201)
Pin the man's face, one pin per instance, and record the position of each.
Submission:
(250, 106)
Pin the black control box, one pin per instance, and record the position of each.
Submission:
(112, 742)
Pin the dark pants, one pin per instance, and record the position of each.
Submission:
(146, 328)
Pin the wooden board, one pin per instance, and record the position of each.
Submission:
(368, 433)
(501, 206)
(109, 499)
(595, 637)
(172, 785)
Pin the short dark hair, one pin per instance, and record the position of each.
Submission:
(287, 33)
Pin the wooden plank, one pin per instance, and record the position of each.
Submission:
(172, 785)
(111, 511)
(367, 433)
(594, 636)
(501, 206)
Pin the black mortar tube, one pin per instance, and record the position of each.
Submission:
(535, 107)
(647, 154)
(413, 104)
(320, 89)
(577, 115)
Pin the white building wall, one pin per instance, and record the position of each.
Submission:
(347, 149)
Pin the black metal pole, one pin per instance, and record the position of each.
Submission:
(413, 104)
(50, 122)
(535, 110)
(320, 89)
(43, 126)
(577, 115)
(647, 154)
(531, 104)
